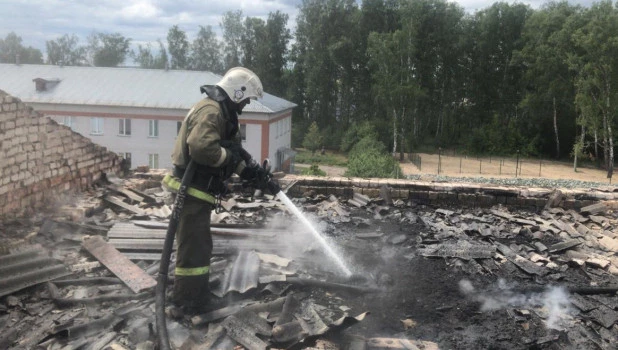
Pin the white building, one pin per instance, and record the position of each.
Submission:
(137, 112)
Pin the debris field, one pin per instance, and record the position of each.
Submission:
(82, 275)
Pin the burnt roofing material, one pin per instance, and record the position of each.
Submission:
(28, 268)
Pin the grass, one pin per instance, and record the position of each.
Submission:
(328, 158)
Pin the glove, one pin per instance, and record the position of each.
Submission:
(255, 176)
(273, 187)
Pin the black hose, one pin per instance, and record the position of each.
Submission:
(164, 341)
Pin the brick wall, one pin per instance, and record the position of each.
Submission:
(461, 194)
(41, 160)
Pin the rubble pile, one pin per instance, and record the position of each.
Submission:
(425, 277)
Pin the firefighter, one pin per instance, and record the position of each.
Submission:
(210, 136)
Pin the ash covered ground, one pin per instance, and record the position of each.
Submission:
(430, 277)
(478, 303)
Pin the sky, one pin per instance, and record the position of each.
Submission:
(145, 21)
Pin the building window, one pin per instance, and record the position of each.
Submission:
(96, 126)
(68, 121)
(153, 160)
(153, 128)
(243, 132)
(178, 126)
(124, 127)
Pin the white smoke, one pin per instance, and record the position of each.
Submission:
(301, 243)
(553, 304)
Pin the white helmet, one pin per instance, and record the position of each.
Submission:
(240, 83)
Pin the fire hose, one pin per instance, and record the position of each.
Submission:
(168, 244)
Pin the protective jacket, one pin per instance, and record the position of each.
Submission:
(199, 138)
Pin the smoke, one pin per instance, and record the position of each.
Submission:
(301, 244)
(552, 305)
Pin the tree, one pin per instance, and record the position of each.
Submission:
(597, 80)
(313, 139)
(392, 58)
(206, 52)
(146, 59)
(107, 50)
(494, 88)
(65, 51)
(326, 59)
(550, 90)
(254, 42)
(369, 158)
(273, 58)
(161, 61)
(178, 47)
(232, 26)
(12, 51)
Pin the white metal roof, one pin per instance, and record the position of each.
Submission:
(127, 87)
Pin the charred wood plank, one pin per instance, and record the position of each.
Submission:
(564, 245)
(594, 209)
(519, 261)
(132, 275)
(119, 203)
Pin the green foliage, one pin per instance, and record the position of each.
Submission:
(328, 158)
(146, 59)
(178, 47)
(107, 50)
(356, 133)
(369, 158)
(313, 170)
(11, 48)
(206, 52)
(65, 50)
(313, 139)
(232, 26)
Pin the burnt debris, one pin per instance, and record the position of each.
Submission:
(425, 276)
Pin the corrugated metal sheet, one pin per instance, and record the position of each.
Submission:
(28, 268)
(242, 276)
(126, 87)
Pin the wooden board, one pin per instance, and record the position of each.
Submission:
(129, 273)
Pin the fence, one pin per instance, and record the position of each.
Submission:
(443, 163)
(415, 159)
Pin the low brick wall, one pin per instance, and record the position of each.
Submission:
(464, 194)
(41, 160)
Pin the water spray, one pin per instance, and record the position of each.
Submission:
(328, 249)
(274, 188)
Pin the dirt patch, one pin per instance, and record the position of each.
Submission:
(500, 168)
(461, 166)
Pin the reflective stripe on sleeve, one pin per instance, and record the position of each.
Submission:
(172, 183)
(221, 158)
(192, 271)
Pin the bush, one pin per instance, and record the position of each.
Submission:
(368, 158)
(356, 133)
(328, 158)
(313, 170)
(313, 139)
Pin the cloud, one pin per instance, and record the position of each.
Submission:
(140, 9)
(38, 21)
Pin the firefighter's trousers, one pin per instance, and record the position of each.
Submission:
(193, 254)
